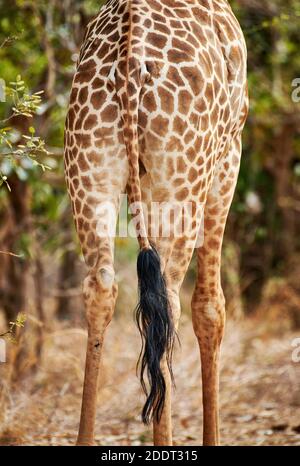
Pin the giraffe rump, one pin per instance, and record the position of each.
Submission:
(156, 328)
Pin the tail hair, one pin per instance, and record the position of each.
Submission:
(157, 331)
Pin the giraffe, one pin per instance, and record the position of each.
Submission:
(157, 108)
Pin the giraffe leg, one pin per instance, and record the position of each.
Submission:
(175, 253)
(96, 168)
(208, 304)
(100, 293)
(162, 430)
(180, 255)
(208, 321)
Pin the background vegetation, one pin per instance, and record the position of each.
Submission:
(40, 262)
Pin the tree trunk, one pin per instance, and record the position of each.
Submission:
(14, 270)
(282, 166)
(68, 275)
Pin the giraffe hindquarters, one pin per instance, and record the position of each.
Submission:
(208, 304)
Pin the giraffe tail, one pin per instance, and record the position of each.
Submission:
(153, 314)
(156, 328)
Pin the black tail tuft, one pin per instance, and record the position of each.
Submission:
(156, 329)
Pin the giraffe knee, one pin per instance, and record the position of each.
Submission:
(100, 293)
(208, 316)
(106, 277)
(98, 280)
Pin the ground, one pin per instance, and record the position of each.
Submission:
(260, 399)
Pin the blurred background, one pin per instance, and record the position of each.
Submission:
(41, 268)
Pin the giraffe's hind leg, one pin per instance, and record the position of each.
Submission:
(175, 270)
(99, 291)
(208, 305)
(96, 174)
(175, 253)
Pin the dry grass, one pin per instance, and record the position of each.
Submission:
(260, 400)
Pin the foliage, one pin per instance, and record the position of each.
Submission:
(23, 104)
(40, 41)
(18, 323)
(264, 218)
